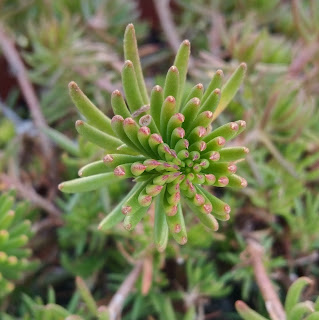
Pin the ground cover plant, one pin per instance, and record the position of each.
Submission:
(188, 188)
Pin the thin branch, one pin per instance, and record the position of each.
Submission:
(28, 193)
(12, 56)
(147, 274)
(167, 23)
(116, 304)
(272, 301)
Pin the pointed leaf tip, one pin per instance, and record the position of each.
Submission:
(186, 42)
(73, 86)
(243, 65)
(79, 123)
(128, 63)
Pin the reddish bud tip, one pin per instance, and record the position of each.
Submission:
(60, 186)
(108, 158)
(128, 122)
(183, 240)
(145, 200)
(116, 93)
(151, 162)
(202, 146)
(186, 42)
(232, 168)
(221, 141)
(199, 199)
(227, 208)
(201, 132)
(79, 123)
(167, 149)
(158, 88)
(208, 208)
(208, 114)
(242, 123)
(73, 86)
(173, 69)
(126, 209)
(216, 92)
(174, 154)
(138, 166)
(159, 188)
(144, 130)
(119, 171)
(117, 118)
(210, 177)
(128, 63)
(215, 156)
(177, 228)
(186, 144)
(243, 183)
(172, 211)
(165, 177)
(170, 99)
(243, 65)
(220, 73)
(223, 180)
(128, 226)
(195, 157)
(157, 138)
(200, 86)
(196, 101)
(180, 117)
(180, 132)
(234, 126)
(246, 150)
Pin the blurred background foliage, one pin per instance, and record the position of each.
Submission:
(53, 260)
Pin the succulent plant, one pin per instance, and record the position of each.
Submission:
(165, 143)
(15, 232)
(294, 309)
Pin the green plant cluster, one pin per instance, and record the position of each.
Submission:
(294, 308)
(167, 146)
(277, 100)
(15, 232)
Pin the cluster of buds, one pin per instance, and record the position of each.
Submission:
(165, 143)
(14, 234)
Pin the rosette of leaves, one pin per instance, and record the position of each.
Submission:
(15, 232)
(294, 309)
(166, 143)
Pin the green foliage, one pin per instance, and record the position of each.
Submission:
(83, 266)
(294, 308)
(178, 151)
(15, 232)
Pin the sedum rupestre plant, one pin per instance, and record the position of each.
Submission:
(166, 143)
(15, 232)
(294, 308)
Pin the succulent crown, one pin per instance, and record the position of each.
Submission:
(166, 143)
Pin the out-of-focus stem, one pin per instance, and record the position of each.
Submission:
(272, 302)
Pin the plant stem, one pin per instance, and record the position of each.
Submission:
(167, 23)
(19, 71)
(28, 193)
(116, 304)
(272, 302)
